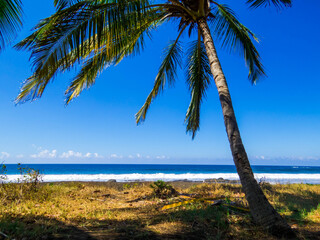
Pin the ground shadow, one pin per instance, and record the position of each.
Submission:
(197, 222)
(39, 227)
(299, 205)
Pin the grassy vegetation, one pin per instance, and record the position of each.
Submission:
(78, 210)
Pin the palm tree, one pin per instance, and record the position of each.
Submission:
(100, 33)
(10, 20)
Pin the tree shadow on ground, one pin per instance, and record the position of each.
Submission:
(299, 205)
(39, 227)
(192, 224)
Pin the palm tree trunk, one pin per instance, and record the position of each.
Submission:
(261, 210)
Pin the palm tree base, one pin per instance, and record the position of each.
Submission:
(281, 231)
(262, 212)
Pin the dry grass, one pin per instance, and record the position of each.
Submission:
(130, 211)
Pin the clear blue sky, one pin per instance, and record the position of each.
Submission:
(279, 118)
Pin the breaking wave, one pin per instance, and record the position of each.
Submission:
(268, 177)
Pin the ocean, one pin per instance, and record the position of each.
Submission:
(152, 172)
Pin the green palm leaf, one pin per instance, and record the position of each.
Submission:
(198, 79)
(166, 73)
(265, 3)
(10, 20)
(34, 86)
(61, 4)
(81, 30)
(105, 57)
(236, 37)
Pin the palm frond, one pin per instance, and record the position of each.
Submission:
(236, 37)
(166, 73)
(198, 78)
(10, 20)
(86, 78)
(61, 4)
(101, 59)
(79, 31)
(33, 87)
(265, 3)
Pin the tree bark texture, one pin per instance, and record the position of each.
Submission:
(261, 210)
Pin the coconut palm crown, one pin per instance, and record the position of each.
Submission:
(10, 20)
(96, 34)
(100, 33)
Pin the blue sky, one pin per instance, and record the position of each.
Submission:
(279, 118)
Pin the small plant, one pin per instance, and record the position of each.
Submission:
(30, 177)
(25, 187)
(3, 173)
(162, 190)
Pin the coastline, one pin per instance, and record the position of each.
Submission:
(100, 178)
(167, 173)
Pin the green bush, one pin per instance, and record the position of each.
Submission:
(162, 190)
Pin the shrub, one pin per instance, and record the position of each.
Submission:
(162, 190)
(26, 187)
(30, 177)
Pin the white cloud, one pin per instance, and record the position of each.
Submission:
(115, 156)
(45, 154)
(96, 155)
(261, 157)
(54, 154)
(72, 154)
(92, 155)
(4, 155)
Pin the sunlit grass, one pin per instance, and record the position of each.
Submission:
(131, 211)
